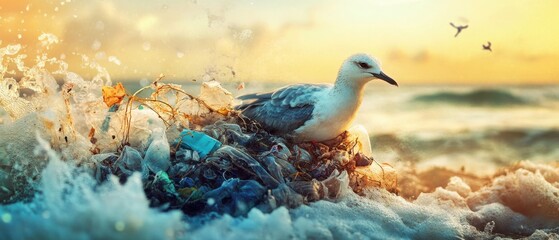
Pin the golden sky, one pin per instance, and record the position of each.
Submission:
(296, 40)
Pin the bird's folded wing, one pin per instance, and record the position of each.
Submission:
(284, 110)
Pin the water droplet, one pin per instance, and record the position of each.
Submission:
(6, 218)
(119, 226)
(114, 60)
(19, 36)
(211, 201)
(12, 49)
(96, 45)
(48, 39)
(146, 46)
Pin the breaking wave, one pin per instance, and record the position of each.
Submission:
(480, 97)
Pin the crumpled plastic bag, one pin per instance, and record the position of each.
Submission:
(157, 156)
(131, 161)
(216, 97)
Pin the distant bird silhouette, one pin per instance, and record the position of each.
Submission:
(487, 47)
(458, 28)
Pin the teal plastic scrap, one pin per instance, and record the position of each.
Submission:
(199, 142)
(107, 120)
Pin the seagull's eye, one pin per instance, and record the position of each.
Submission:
(363, 65)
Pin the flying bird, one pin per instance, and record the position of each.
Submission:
(487, 47)
(458, 28)
(315, 112)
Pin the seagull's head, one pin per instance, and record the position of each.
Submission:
(362, 68)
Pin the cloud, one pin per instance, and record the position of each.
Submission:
(421, 56)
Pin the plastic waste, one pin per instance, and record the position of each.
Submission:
(186, 182)
(131, 161)
(107, 120)
(228, 133)
(179, 169)
(286, 196)
(164, 182)
(157, 156)
(361, 160)
(229, 165)
(187, 155)
(102, 162)
(336, 185)
(274, 168)
(312, 190)
(302, 155)
(364, 142)
(199, 142)
(162, 190)
(235, 196)
(113, 95)
(215, 96)
(280, 150)
(243, 160)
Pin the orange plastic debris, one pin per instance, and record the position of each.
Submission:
(113, 95)
(241, 86)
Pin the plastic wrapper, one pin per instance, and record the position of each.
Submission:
(199, 142)
(157, 156)
(312, 190)
(244, 160)
(131, 161)
(215, 96)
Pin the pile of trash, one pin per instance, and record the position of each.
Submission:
(194, 153)
(215, 160)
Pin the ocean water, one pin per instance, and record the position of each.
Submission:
(473, 162)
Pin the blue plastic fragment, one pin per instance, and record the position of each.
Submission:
(107, 120)
(186, 182)
(199, 142)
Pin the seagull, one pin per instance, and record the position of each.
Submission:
(458, 28)
(487, 47)
(315, 112)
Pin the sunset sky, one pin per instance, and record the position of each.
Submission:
(294, 40)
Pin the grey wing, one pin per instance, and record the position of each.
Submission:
(284, 110)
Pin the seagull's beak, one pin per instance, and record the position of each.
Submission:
(385, 77)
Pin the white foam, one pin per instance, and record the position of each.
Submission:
(72, 206)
